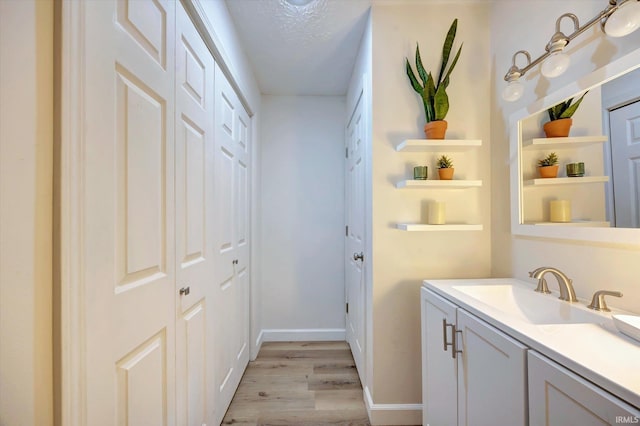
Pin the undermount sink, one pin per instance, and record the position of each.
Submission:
(526, 305)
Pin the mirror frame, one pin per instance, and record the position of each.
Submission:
(625, 236)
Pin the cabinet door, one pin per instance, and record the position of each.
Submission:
(492, 386)
(558, 397)
(439, 396)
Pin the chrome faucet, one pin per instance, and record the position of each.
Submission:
(564, 283)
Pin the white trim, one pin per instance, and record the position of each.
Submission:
(73, 410)
(392, 414)
(257, 345)
(303, 334)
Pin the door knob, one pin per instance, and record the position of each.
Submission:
(358, 256)
(184, 291)
(235, 261)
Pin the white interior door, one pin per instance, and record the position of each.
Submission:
(127, 213)
(625, 153)
(355, 239)
(231, 244)
(194, 227)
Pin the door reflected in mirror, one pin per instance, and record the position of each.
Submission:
(621, 106)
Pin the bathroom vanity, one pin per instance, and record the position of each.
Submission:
(495, 352)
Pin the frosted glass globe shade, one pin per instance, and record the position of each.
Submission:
(555, 64)
(513, 91)
(299, 2)
(625, 20)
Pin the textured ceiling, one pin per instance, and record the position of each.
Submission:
(301, 50)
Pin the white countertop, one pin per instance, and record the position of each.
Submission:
(597, 352)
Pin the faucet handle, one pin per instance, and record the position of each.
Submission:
(598, 303)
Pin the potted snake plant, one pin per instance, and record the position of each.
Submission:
(560, 121)
(432, 88)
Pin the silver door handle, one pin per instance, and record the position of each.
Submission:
(184, 291)
(358, 256)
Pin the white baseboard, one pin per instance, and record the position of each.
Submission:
(258, 344)
(302, 335)
(392, 414)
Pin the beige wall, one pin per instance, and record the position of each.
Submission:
(528, 25)
(403, 259)
(26, 134)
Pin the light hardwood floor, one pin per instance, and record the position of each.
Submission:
(299, 383)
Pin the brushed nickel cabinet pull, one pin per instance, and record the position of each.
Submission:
(444, 334)
(454, 341)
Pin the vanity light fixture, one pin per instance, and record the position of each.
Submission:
(618, 19)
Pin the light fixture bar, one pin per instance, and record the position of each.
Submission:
(613, 6)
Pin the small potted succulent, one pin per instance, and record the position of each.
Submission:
(548, 166)
(560, 121)
(445, 168)
(432, 87)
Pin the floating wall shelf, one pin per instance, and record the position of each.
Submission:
(566, 180)
(422, 184)
(589, 223)
(559, 143)
(420, 227)
(438, 145)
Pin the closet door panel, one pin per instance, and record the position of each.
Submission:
(231, 213)
(127, 219)
(195, 176)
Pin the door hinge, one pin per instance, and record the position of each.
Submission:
(346, 152)
(347, 305)
(346, 231)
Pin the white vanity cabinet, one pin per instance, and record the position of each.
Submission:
(472, 372)
(558, 397)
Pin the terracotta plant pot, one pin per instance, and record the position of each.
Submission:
(548, 171)
(435, 129)
(558, 128)
(446, 174)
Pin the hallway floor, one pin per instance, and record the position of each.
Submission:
(299, 383)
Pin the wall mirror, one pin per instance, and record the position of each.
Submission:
(604, 204)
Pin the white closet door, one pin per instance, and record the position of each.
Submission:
(194, 226)
(127, 215)
(231, 217)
